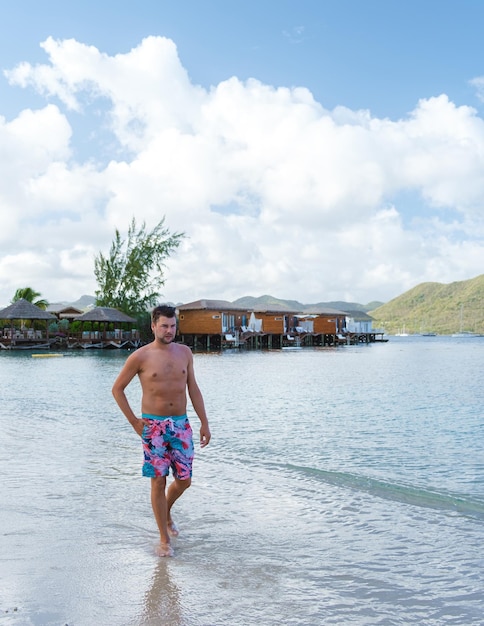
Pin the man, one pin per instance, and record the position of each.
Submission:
(165, 371)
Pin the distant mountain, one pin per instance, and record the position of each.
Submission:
(345, 306)
(84, 302)
(251, 302)
(435, 307)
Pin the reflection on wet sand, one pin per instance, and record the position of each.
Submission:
(162, 600)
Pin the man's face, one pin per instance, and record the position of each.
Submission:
(164, 329)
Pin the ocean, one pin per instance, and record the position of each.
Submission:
(342, 486)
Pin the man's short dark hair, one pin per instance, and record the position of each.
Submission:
(162, 310)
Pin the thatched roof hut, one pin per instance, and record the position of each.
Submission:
(24, 310)
(104, 315)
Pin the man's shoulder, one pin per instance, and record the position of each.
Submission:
(182, 348)
(142, 353)
(179, 351)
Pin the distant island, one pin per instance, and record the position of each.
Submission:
(435, 308)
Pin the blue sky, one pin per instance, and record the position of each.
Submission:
(379, 55)
(313, 150)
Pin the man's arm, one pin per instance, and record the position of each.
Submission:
(129, 371)
(197, 402)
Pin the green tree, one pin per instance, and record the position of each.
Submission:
(29, 294)
(130, 277)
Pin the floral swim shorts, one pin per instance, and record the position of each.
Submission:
(167, 442)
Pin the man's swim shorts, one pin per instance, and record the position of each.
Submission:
(167, 442)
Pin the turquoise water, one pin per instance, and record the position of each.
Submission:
(341, 486)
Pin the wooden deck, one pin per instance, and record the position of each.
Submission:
(84, 340)
(260, 340)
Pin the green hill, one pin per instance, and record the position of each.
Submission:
(340, 305)
(435, 307)
(251, 301)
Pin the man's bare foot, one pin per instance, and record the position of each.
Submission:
(164, 549)
(172, 529)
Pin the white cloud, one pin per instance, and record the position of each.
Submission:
(275, 193)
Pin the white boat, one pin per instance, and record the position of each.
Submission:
(464, 334)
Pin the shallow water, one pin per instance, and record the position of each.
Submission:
(341, 486)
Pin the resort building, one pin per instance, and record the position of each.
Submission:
(215, 324)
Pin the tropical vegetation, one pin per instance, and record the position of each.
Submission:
(29, 294)
(130, 276)
(435, 307)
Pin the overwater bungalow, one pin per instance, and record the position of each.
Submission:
(215, 324)
(359, 328)
(212, 324)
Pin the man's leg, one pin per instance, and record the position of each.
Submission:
(160, 511)
(175, 490)
(181, 463)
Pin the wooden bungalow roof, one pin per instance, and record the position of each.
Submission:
(215, 305)
(24, 310)
(359, 316)
(319, 310)
(64, 309)
(104, 314)
(274, 308)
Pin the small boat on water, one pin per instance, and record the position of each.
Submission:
(464, 334)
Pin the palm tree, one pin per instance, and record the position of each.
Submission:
(29, 294)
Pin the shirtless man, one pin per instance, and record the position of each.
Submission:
(165, 371)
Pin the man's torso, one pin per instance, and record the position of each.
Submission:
(163, 376)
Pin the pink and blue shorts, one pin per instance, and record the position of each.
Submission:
(167, 443)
